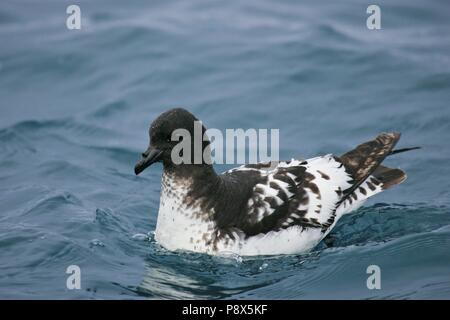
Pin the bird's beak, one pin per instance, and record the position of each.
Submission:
(148, 157)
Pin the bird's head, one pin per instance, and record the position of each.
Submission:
(167, 136)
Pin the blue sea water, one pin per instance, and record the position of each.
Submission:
(75, 106)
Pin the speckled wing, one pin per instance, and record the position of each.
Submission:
(295, 193)
(309, 193)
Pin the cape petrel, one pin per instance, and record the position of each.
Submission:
(270, 208)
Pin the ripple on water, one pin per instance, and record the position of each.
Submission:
(75, 110)
(334, 272)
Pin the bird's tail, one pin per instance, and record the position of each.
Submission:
(364, 165)
(391, 176)
(388, 177)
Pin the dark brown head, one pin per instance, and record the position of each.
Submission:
(166, 133)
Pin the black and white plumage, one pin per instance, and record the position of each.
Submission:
(261, 209)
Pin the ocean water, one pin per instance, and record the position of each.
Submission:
(75, 106)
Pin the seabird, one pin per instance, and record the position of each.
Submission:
(272, 208)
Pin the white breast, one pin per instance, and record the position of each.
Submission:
(179, 226)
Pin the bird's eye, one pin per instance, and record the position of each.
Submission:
(169, 139)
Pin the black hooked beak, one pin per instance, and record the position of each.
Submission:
(151, 155)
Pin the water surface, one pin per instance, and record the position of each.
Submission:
(75, 107)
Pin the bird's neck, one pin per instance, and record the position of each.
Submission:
(193, 182)
(186, 191)
(196, 173)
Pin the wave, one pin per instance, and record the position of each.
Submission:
(383, 234)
